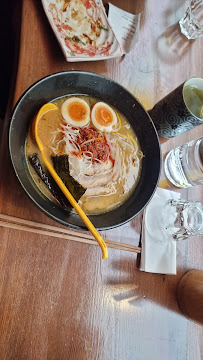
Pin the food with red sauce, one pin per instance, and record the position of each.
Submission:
(82, 28)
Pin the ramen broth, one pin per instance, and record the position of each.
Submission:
(125, 153)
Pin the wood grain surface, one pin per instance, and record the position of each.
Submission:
(58, 299)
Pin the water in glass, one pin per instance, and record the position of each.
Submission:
(184, 165)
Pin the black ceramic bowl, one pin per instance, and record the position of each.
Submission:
(78, 82)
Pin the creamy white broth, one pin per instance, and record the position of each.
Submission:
(122, 188)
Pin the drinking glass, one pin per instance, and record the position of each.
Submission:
(182, 219)
(191, 24)
(184, 165)
(181, 110)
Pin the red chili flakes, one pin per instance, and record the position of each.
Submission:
(90, 140)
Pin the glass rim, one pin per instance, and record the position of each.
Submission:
(185, 84)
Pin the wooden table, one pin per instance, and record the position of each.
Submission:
(58, 299)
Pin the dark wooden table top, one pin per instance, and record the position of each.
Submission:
(58, 299)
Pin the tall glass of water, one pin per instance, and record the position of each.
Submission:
(184, 165)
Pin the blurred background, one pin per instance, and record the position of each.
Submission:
(9, 40)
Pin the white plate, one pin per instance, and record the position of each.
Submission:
(75, 23)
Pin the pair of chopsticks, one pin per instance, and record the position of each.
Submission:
(12, 222)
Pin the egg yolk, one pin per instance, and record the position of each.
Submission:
(103, 116)
(77, 111)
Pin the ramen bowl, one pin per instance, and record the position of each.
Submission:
(97, 86)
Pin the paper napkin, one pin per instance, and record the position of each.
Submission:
(158, 246)
(125, 26)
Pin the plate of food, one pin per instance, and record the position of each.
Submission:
(101, 142)
(82, 29)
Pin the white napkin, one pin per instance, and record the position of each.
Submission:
(125, 27)
(158, 247)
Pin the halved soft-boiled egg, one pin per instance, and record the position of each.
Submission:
(76, 111)
(104, 117)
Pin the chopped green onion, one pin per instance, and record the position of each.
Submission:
(103, 28)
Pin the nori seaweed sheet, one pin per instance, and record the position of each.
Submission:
(61, 165)
(48, 181)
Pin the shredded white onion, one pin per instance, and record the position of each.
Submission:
(123, 170)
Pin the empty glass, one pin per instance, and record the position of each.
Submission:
(182, 219)
(191, 24)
